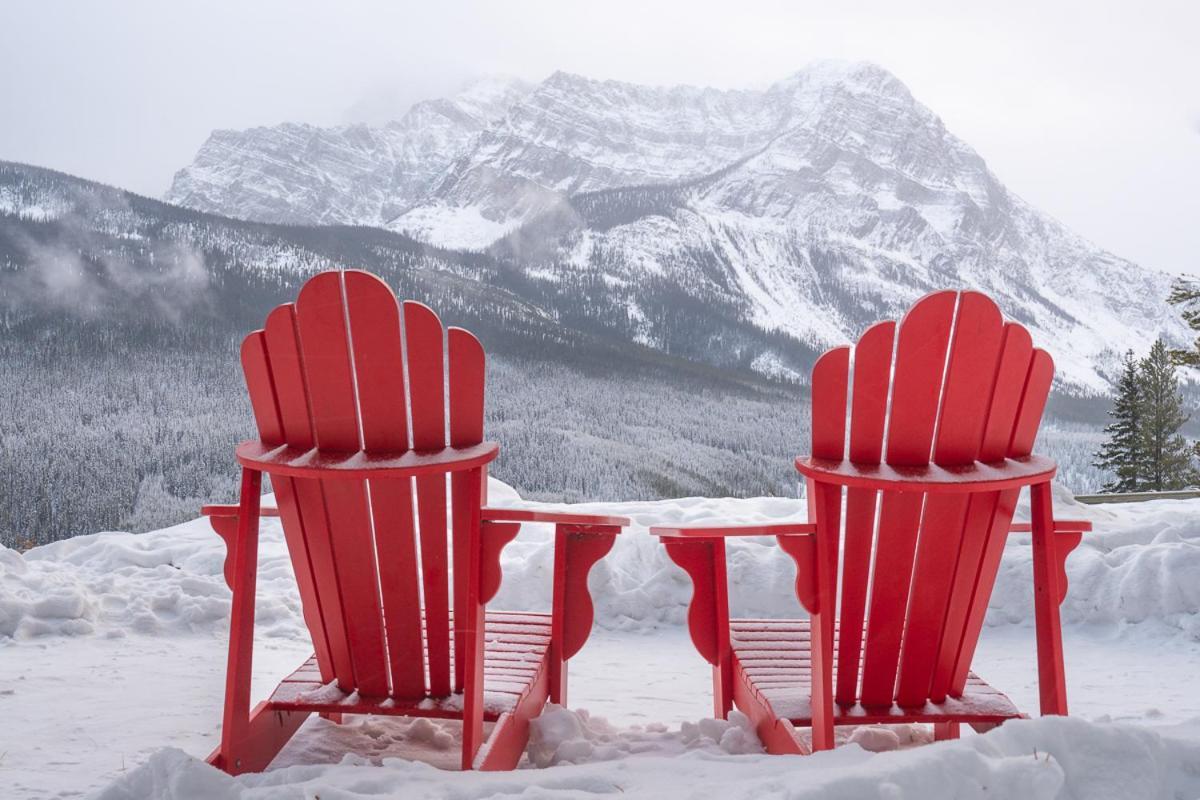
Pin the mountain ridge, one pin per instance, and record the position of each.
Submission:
(812, 206)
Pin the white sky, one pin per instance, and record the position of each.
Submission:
(1089, 110)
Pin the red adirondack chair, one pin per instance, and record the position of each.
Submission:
(931, 482)
(393, 587)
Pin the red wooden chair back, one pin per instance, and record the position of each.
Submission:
(344, 369)
(951, 385)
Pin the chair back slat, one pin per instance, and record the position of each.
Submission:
(346, 369)
(325, 349)
(961, 386)
(465, 365)
(264, 401)
(868, 415)
(426, 374)
(303, 514)
(375, 326)
(987, 518)
(970, 374)
(920, 364)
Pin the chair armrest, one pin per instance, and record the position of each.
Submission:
(1009, 473)
(219, 510)
(1060, 526)
(296, 462)
(710, 530)
(554, 518)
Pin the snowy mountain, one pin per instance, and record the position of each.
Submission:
(809, 209)
(353, 174)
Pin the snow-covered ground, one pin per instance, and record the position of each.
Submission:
(112, 654)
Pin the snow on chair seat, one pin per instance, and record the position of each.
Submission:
(770, 660)
(515, 662)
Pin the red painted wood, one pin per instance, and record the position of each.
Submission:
(1021, 418)
(700, 559)
(872, 376)
(781, 680)
(423, 336)
(495, 535)
(830, 389)
(976, 573)
(554, 517)
(374, 319)
(325, 351)
(302, 503)
(1048, 571)
(332, 382)
(511, 735)
(1033, 403)
(709, 530)
(1011, 473)
(919, 366)
(916, 387)
(581, 549)
(267, 731)
(803, 550)
(309, 463)
(236, 719)
(468, 612)
(828, 507)
(979, 521)
(465, 374)
(777, 735)
(970, 375)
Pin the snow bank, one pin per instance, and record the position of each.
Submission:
(1141, 563)
(1030, 759)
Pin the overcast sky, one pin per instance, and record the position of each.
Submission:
(1089, 110)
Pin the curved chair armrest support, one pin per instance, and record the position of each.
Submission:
(580, 540)
(711, 530)
(313, 463)
(1010, 473)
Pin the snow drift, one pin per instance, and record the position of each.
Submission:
(1142, 562)
(1033, 760)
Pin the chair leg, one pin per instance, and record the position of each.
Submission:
(236, 721)
(945, 730)
(333, 716)
(723, 687)
(1052, 682)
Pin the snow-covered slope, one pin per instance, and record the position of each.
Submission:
(353, 174)
(811, 208)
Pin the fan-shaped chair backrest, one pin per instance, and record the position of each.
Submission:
(346, 368)
(951, 384)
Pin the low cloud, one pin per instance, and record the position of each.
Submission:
(98, 257)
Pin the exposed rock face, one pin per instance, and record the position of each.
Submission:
(353, 174)
(830, 199)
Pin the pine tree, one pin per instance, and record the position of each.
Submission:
(1168, 456)
(1186, 294)
(1122, 453)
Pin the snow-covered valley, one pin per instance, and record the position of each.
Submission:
(112, 652)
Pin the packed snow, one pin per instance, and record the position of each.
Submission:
(112, 653)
